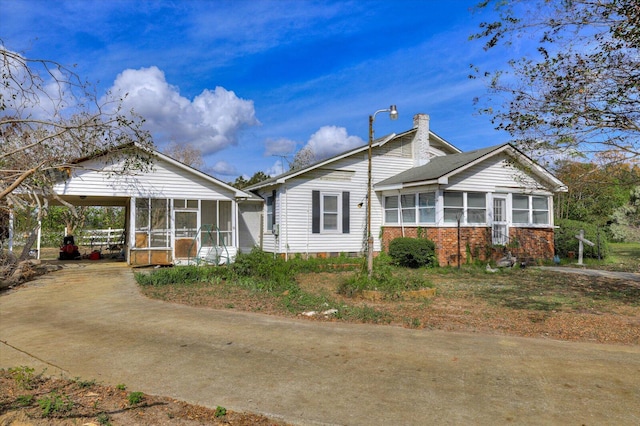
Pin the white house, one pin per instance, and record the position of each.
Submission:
(174, 213)
(422, 185)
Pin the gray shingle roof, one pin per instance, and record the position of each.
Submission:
(438, 167)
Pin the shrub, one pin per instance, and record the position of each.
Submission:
(182, 275)
(263, 271)
(565, 240)
(383, 279)
(412, 252)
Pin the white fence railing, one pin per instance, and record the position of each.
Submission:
(99, 239)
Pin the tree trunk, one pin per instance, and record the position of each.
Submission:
(28, 244)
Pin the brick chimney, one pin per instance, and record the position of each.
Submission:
(421, 140)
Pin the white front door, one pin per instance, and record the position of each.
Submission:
(499, 227)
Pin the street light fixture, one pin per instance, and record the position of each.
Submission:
(393, 115)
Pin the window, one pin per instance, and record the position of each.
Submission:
(329, 212)
(391, 209)
(408, 208)
(453, 206)
(470, 207)
(152, 222)
(540, 212)
(216, 223)
(530, 209)
(427, 207)
(520, 210)
(476, 207)
(416, 208)
(270, 203)
(185, 204)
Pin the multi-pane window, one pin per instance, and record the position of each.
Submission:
(528, 209)
(520, 208)
(415, 208)
(152, 222)
(427, 207)
(453, 206)
(391, 209)
(540, 211)
(469, 207)
(329, 212)
(476, 207)
(408, 202)
(270, 200)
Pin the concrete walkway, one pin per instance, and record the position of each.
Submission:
(89, 321)
(627, 276)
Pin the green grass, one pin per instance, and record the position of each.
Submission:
(540, 290)
(623, 257)
(264, 283)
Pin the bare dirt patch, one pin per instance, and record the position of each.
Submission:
(51, 401)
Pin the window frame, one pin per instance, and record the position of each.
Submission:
(415, 209)
(530, 210)
(269, 206)
(465, 208)
(337, 213)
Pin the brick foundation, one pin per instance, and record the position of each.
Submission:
(527, 244)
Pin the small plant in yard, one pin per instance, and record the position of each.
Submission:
(55, 403)
(24, 400)
(85, 383)
(23, 376)
(121, 386)
(103, 419)
(220, 411)
(135, 398)
(385, 280)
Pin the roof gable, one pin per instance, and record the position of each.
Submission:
(439, 169)
(99, 163)
(380, 142)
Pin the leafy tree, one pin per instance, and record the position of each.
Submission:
(625, 224)
(49, 119)
(580, 92)
(241, 182)
(595, 190)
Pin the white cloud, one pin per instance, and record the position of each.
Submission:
(211, 122)
(280, 146)
(276, 169)
(223, 168)
(331, 140)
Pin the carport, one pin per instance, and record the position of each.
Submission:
(174, 214)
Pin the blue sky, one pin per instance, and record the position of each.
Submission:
(249, 82)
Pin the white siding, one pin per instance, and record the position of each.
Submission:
(494, 174)
(294, 203)
(165, 180)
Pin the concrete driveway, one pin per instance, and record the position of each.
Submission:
(89, 321)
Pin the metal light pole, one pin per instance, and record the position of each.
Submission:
(393, 115)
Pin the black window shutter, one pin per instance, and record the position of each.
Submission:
(345, 212)
(315, 212)
(273, 216)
